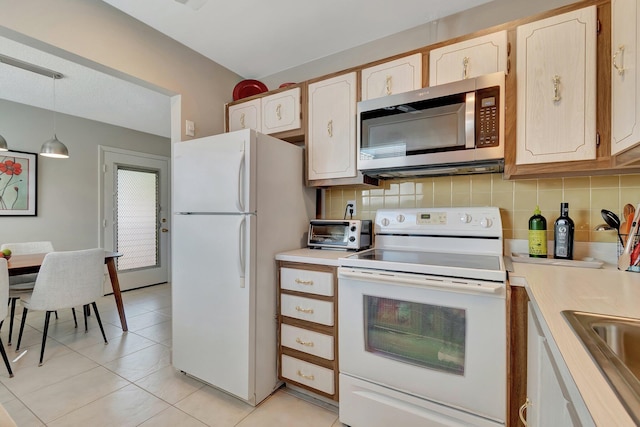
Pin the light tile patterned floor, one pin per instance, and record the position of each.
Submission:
(130, 381)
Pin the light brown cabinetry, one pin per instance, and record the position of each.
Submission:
(245, 115)
(469, 58)
(308, 327)
(557, 88)
(625, 80)
(397, 76)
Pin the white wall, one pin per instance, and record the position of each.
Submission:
(484, 16)
(123, 46)
(68, 189)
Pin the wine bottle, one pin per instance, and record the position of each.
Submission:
(537, 235)
(563, 230)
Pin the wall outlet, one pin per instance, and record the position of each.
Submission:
(349, 208)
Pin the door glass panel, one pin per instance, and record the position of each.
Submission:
(137, 225)
(425, 335)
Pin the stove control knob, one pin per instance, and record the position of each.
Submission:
(352, 239)
(400, 218)
(353, 228)
(385, 221)
(465, 218)
(485, 223)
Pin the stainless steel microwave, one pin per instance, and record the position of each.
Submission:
(447, 129)
(351, 234)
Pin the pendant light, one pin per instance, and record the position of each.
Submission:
(54, 147)
(3, 144)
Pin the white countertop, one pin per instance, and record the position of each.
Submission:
(605, 291)
(314, 256)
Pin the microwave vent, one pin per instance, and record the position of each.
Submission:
(440, 170)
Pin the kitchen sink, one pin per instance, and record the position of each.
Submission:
(614, 345)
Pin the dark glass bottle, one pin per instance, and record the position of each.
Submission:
(537, 235)
(563, 230)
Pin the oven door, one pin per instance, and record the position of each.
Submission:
(441, 341)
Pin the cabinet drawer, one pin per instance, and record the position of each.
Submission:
(306, 373)
(307, 341)
(312, 282)
(307, 309)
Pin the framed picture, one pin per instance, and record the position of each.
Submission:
(18, 175)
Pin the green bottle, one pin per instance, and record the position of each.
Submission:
(537, 235)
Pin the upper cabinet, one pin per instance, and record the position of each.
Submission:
(625, 84)
(245, 115)
(470, 58)
(400, 75)
(556, 86)
(281, 111)
(331, 134)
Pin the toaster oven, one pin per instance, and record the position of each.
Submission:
(348, 234)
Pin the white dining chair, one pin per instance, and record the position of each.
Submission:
(23, 283)
(66, 280)
(4, 293)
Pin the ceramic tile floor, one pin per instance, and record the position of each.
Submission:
(130, 381)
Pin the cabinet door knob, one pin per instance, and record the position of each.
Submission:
(523, 408)
(619, 68)
(304, 310)
(388, 85)
(307, 377)
(556, 88)
(465, 67)
(305, 343)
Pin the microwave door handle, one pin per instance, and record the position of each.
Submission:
(470, 120)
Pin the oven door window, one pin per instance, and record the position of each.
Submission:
(425, 335)
(335, 234)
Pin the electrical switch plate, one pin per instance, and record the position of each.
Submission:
(190, 128)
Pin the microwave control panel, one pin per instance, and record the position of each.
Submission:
(488, 117)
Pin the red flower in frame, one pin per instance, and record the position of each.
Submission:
(10, 167)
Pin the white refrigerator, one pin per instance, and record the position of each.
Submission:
(238, 199)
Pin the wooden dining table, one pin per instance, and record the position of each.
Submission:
(30, 263)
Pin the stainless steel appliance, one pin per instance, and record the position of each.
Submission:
(226, 233)
(422, 321)
(352, 234)
(447, 129)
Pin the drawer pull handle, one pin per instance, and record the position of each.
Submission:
(304, 310)
(306, 377)
(304, 282)
(307, 343)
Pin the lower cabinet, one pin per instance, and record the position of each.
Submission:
(308, 327)
(552, 398)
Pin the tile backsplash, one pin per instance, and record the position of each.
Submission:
(516, 199)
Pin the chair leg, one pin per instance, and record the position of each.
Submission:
(84, 311)
(44, 336)
(95, 310)
(13, 314)
(75, 321)
(24, 318)
(6, 359)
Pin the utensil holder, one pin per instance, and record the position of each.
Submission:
(636, 238)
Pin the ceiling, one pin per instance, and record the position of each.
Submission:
(258, 38)
(253, 38)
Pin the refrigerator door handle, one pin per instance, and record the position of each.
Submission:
(241, 258)
(240, 201)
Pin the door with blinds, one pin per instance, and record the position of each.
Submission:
(135, 219)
